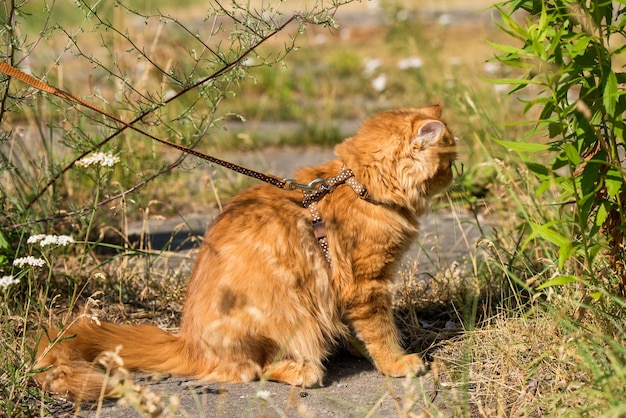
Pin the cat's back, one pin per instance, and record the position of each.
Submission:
(268, 204)
(257, 208)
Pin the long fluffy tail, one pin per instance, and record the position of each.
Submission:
(73, 356)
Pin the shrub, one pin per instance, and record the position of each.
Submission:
(570, 54)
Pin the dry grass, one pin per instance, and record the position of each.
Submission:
(429, 307)
(521, 367)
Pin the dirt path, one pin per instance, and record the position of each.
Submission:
(352, 389)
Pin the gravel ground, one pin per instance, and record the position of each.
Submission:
(352, 389)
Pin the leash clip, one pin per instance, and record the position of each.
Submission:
(317, 184)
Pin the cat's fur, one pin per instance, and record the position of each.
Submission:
(262, 301)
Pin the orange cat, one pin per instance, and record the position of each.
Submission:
(263, 301)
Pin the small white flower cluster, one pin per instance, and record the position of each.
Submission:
(6, 281)
(29, 261)
(44, 240)
(411, 62)
(380, 83)
(263, 394)
(101, 158)
(371, 65)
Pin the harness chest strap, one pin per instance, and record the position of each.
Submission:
(311, 197)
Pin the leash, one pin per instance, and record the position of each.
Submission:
(11, 71)
(313, 192)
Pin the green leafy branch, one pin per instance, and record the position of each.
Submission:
(568, 58)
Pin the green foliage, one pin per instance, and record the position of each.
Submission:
(570, 54)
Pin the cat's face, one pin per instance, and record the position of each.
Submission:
(403, 156)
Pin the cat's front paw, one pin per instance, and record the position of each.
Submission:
(295, 374)
(408, 364)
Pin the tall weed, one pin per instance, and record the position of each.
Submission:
(564, 255)
(570, 55)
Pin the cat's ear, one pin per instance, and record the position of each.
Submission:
(432, 111)
(430, 132)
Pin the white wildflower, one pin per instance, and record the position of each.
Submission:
(248, 62)
(374, 5)
(403, 15)
(411, 62)
(492, 67)
(101, 158)
(29, 261)
(34, 239)
(371, 65)
(502, 88)
(380, 82)
(444, 19)
(263, 394)
(60, 240)
(44, 240)
(6, 281)
(169, 93)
